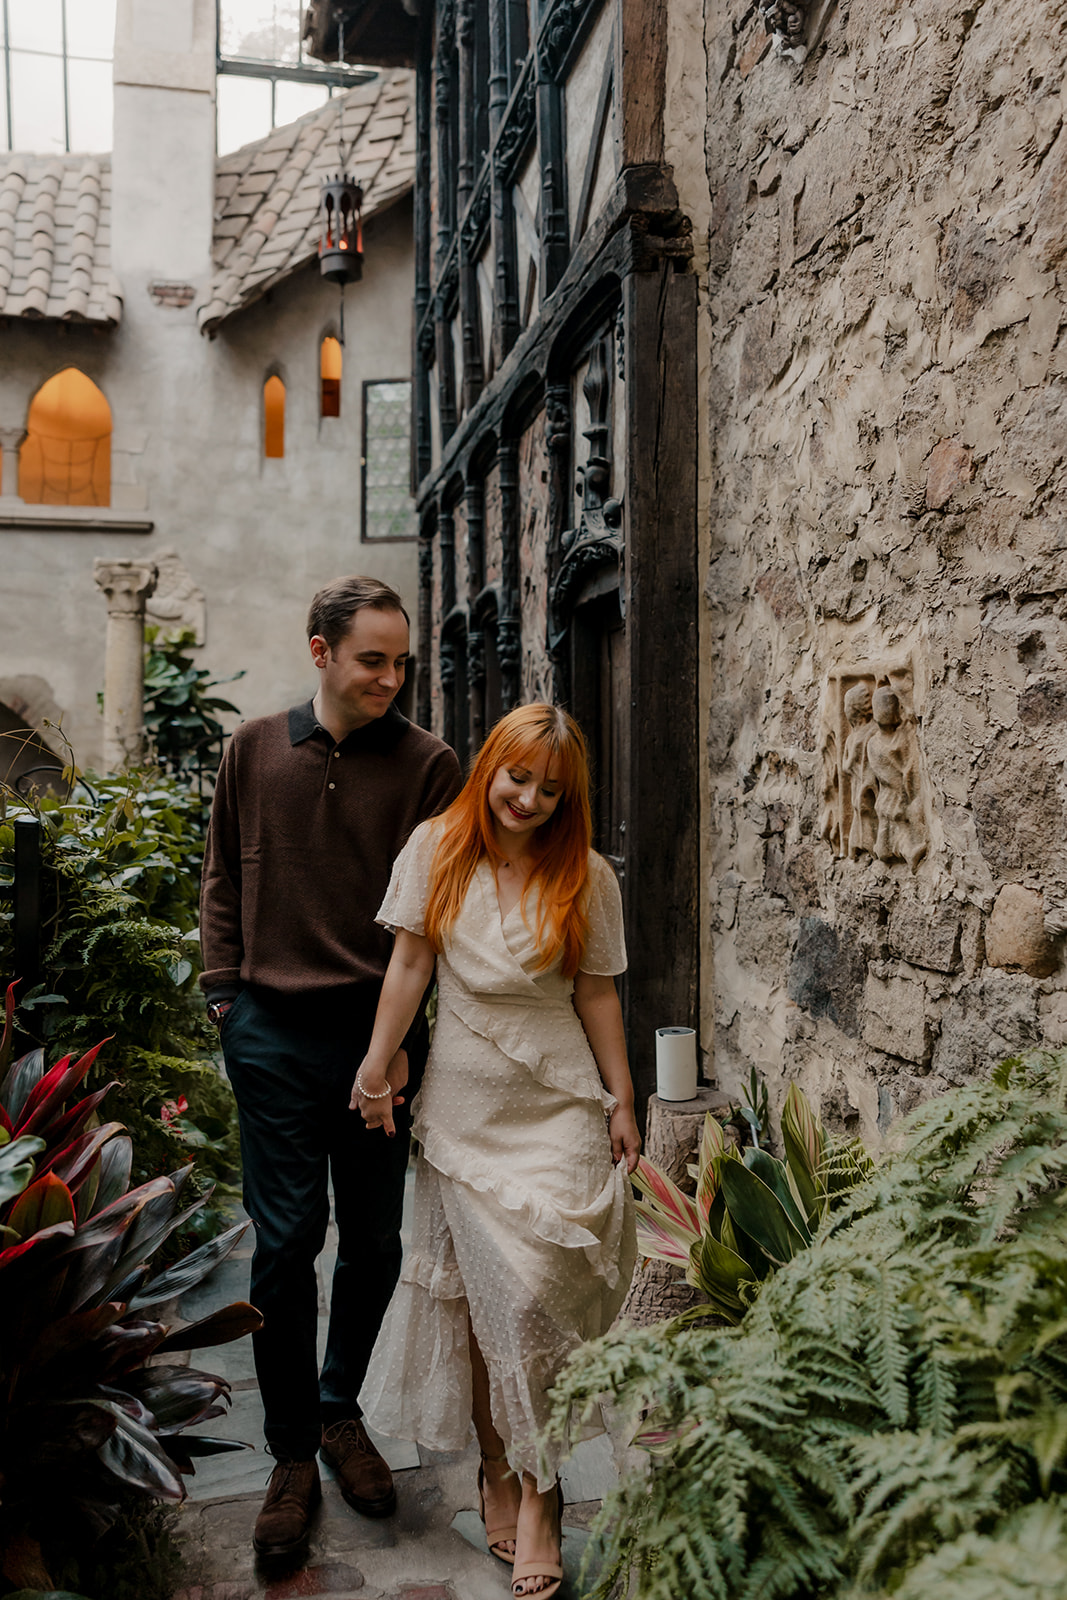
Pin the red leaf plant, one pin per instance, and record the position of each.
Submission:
(88, 1409)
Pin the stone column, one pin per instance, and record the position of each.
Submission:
(10, 439)
(127, 585)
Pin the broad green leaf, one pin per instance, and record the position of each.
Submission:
(22, 1077)
(805, 1147)
(221, 1327)
(718, 1272)
(134, 1454)
(184, 1275)
(776, 1178)
(757, 1210)
(116, 1165)
(46, 1202)
(17, 1166)
(176, 1396)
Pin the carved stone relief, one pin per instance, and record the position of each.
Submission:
(874, 788)
(177, 601)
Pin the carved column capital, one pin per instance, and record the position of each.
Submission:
(127, 585)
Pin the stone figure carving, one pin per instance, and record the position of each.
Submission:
(893, 754)
(855, 763)
(873, 786)
(177, 602)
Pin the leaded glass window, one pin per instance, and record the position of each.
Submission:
(388, 507)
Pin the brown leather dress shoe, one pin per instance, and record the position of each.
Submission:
(365, 1479)
(284, 1522)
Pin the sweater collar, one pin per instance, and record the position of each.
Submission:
(383, 734)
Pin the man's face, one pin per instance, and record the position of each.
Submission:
(363, 674)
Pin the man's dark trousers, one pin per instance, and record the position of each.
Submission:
(291, 1062)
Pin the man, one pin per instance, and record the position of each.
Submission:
(311, 808)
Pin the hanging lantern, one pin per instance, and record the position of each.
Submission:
(341, 230)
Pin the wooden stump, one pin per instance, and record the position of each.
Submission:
(672, 1138)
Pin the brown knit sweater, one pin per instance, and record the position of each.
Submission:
(303, 836)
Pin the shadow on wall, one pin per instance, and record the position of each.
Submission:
(25, 760)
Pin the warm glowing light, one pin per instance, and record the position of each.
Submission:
(330, 378)
(274, 417)
(65, 459)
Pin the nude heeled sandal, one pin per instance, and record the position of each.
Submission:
(541, 1569)
(536, 1569)
(495, 1536)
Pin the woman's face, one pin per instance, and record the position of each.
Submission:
(523, 795)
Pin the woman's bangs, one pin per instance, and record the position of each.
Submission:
(530, 746)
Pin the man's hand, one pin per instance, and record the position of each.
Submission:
(625, 1139)
(378, 1112)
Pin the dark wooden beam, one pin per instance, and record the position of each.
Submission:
(446, 538)
(445, 366)
(465, 155)
(643, 79)
(509, 635)
(422, 442)
(558, 442)
(498, 63)
(661, 578)
(423, 703)
(551, 144)
(475, 507)
(636, 222)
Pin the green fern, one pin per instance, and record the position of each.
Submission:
(895, 1402)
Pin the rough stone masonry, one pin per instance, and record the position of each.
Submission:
(884, 524)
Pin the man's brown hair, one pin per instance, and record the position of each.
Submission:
(334, 606)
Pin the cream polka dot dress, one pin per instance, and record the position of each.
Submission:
(520, 1215)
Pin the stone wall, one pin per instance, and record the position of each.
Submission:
(883, 262)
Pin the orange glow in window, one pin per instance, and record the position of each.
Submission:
(65, 459)
(330, 374)
(274, 417)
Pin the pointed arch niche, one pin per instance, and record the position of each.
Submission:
(330, 359)
(65, 458)
(274, 417)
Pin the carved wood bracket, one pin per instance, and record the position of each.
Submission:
(598, 538)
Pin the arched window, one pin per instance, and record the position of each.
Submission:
(274, 417)
(330, 378)
(65, 458)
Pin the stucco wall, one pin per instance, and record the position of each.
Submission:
(881, 245)
(256, 536)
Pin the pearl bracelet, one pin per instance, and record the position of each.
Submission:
(366, 1095)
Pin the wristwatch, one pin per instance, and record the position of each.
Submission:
(217, 1009)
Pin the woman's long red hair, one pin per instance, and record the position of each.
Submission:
(560, 846)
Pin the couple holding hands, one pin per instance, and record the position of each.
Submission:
(346, 869)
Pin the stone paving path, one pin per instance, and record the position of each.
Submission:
(432, 1549)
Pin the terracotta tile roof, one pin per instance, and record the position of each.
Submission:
(55, 256)
(267, 194)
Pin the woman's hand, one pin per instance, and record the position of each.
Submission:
(376, 1107)
(625, 1139)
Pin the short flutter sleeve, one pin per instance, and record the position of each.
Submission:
(405, 900)
(605, 948)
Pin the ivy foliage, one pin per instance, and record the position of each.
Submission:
(122, 856)
(890, 1418)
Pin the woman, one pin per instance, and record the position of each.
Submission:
(523, 1240)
